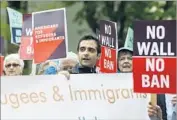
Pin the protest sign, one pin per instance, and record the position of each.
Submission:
(84, 97)
(15, 20)
(154, 56)
(50, 34)
(1, 55)
(26, 46)
(108, 39)
(98, 34)
(129, 40)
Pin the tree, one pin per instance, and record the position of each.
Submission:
(124, 13)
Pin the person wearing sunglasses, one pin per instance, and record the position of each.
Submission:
(13, 65)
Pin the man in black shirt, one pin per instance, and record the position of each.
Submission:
(88, 53)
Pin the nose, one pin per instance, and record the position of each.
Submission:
(86, 53)
(11, 67)
(126, 60)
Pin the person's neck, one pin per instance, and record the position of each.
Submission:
(89, 67)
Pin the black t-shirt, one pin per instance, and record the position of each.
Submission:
(78, 69)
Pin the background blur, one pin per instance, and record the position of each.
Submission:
(83, 17)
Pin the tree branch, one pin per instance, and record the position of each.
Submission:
(121, 17)
(166, 7)
(90, 9)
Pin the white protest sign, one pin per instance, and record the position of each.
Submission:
(15, 20)
(83, 97)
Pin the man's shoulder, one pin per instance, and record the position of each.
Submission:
(78, 69)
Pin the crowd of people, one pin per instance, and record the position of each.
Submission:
(88, 53)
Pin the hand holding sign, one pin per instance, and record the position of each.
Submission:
(15, 19)
(154, 112)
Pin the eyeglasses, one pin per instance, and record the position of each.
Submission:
(13, 64)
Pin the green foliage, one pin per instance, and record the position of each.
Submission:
(44, 5)
(124, 13)
(3, 4)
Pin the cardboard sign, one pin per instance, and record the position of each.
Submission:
(129, 40)
(108, 39)
(84, 97)
(50, 35)
(26, 46)
(154, 56)
(15, 20)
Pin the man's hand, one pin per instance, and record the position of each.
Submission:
(154, 111)
(65, 73)
(174, 100)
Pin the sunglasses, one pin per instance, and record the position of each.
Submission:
(13, 64)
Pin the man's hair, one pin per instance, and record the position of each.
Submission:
(16, 57)
(90, 37)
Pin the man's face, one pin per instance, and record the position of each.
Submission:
(68, 65)
(125, 61)
(87, 53)
(12, 68)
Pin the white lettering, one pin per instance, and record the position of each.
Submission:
(107, 29)
(28, 31)
(161, 81)
(154, 49)
(143, 48)
(169, 49)
(107, 52)
(108, 64)
(153, 32)
(145, 81)
(152, 64)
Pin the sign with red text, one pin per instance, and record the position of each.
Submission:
(108, 39)
(50, 35)
(154, 56)
(84, 97)
(26, 47)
